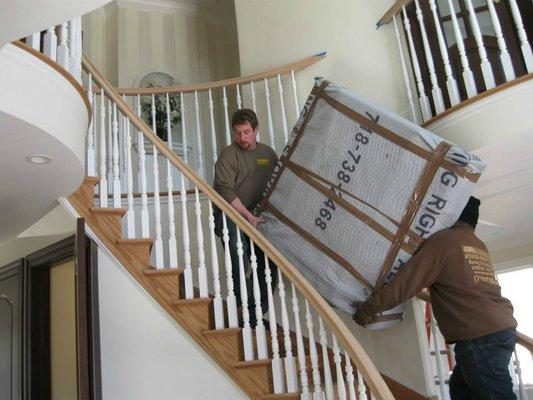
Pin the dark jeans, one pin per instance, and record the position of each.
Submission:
(482, 368)
(232, 232)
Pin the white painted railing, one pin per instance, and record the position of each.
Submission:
(310, 350)
(452, 51)
(61, 43)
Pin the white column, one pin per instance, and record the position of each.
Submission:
(226, 116)
(254, 106)
(145, 220)
(422, 97)
(290, 362)
(304, 382)
(239, 99)
(213, 133)
(110, 146)
(79, 49)
(158, 243)
(172, 244)
(341, 388)
(282, 109)
(202, 270)
(103, 162)
(187, 273)
(63, 55)
(350, 379)
(231, 299)
(246, 330)
(34, 41)
(277, 367)
(504, 54)
(130, 214)
(50, 43)
(201, 164)
(117, 188)
(451, 83)
(269, 114)
(318, 394)
(524, 43)
(486, 68)
(72, 44)
(438, 360)
(218, 305)
(90, 132)
(260, 331)
(183, 130)
(328, 381)
(518, 371)
(413, 108)
(435, 89)
(295, 96)
(361, 388)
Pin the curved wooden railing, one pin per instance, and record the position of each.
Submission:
(368, 378)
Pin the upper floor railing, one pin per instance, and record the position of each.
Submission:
(454, 50)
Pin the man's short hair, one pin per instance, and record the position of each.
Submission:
(243, 116)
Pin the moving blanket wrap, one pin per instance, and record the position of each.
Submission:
(355, 193)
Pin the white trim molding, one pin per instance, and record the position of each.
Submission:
(161, 6)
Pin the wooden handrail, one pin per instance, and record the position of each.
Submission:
(392, 11)
(373, 378)
(521, 338)
(241, 80)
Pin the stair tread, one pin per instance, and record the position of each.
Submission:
(222, 332)
(136, 241)
(166, 271)
(91, 180)
(281, 395)
(196, 300)
(109, 210)
(252, 363)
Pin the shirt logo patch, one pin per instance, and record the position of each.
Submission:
(481, 265)
(263, 162)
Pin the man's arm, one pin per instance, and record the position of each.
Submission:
(236, 203)
(418, 273)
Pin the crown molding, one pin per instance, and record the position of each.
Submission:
(161, 6)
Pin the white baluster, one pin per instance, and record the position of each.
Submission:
(103, 164)
(158, 243)
(318, 394)
(63, 55)
(218, 305)
(130, 214)
(361, 388)
(440, 369)
(213, 133)
(246, 330)
(451, 83)
(50, 43)
(435, 89)
(79, 49)
(328, 381)
(145, 220)
(187, 273)
(226, 116)
(117, 188)
(123, 173)
(518, 371)
(277, 367)
(304, 383)
(231, 299)
(90, 131)
(110, 146)
(486, 68)
(414, 112)
(254, 106)
(341, 389)
(239, 99)
(422, 97)
(172, 244)
(282, 108)
(72, 44)
(269, 114)
(290, 362)
(183, 130)
(260, 331)
(295, 96)
(201, 166)
(202, 271)
(34, 41)
(350, 379)
(524, 43)
(468, 75)
(504, 54)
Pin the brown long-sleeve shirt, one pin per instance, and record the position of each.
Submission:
(465, 293)
(244, 173)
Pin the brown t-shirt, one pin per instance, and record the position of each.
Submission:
(465, 293)
(244, 173)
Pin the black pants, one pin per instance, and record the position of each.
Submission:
(482, 368)
(232, 233)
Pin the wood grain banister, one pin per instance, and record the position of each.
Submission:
(333, 321)
(521, 338)
(392, 11)
(241, 80)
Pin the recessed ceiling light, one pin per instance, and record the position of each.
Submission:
(39, 159)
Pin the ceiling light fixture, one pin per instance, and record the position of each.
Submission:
(39, 159)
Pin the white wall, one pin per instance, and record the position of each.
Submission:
(146, 356)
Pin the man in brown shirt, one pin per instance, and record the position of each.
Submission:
(241, 173)
(467, 304)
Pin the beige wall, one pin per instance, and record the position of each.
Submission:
(63, 331)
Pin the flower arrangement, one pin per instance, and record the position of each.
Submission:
(160, 110)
